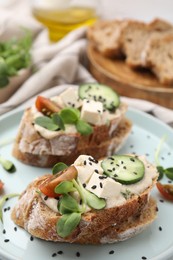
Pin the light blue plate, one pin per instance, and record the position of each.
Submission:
(152, 243)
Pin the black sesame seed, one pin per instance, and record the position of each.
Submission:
(101, 185)
(80, 202)
(84, 185)
(77, 254)
(109, 170)
(98, 111)
(94, 187)
(157, 209)
(117, 165)
(96, 171)
(111, 252)
(115, 175)
(31, 238)
(46, 197)
(143, 258)
(102, 177)
(4, 231)
(54, 254)
(131, 159)
(135, 173)
(161, 200)
(5, 209)
(169, 181)
(113, 169)
(90, 163)
(15, 228)
(84, 162)
(8, 208)
(124, 167)
(6, 199)
(160, 228)
(6, 240)
(33, 123)
(87, 101)
(111, 158)
(122, 162)
(112, 162)
(60, 252)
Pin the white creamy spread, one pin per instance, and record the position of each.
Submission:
(90, 174)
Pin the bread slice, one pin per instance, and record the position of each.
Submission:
(106, 225)
(33, 148)
(135, 36)
(105, 37)
(158, 55)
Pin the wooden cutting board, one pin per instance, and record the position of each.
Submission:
(128, 82)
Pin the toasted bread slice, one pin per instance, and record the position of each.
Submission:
(110, 224)
(34, 148)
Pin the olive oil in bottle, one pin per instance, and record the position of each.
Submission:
(61, 21)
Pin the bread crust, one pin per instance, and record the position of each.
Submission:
(31, 148)
(32, 214)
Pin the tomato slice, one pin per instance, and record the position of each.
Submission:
(48, 186)
(46, 106)
(166, 190)
(1, 185)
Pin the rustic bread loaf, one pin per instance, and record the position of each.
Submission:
(158, 55)
(107, 225)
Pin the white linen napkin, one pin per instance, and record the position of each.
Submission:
(65, 62)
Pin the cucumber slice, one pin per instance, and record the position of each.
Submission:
(124, 168)
(99, 92)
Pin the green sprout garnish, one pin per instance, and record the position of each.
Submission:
(7, 165)
(3, 200)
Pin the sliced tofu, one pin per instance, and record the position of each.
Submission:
(58, 101)
(86, 166)
(103, 187)
(71, 98)
(92, 111)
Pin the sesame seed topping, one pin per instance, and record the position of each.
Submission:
(131, 159)
(109, 170)
(96, 171)
(15, 228)
(161, 200)
(46, 197)
(101, 185)
(84, 185)
(124, 167)
(111, 252)
(54, 254)
(6, 240)
(60, 252)
(77, 254)
(102, 177)
(94, 187)
(117, 165)
(160, 228)
(31, 238)
(84, 162)
(4, 231)
(144, 258)
(90, 163)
